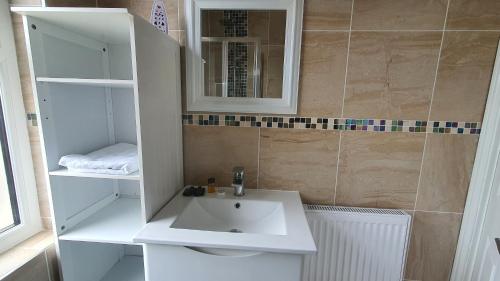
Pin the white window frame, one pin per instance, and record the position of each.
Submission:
(17, 137)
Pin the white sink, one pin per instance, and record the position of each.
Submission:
(233, 215)
(262, 220)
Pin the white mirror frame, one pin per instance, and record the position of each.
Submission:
(197, 101)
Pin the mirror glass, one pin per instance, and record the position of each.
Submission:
(243, 53)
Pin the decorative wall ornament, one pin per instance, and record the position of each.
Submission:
(158, 16)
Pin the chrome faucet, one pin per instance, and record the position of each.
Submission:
(238, 181)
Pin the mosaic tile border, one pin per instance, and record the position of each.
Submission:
(338, 124)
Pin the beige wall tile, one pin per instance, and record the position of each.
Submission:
(433, 243)
(47, 223)
(446, 172)
(143, 8)
(214, 151)
(179, 36)
(322, 73)
(327, 14)
(464, 75)
(43, 201)
(300, 160)
(391, 74)
(379, 169)
(34, 270)
(474, 14)
(22, 61)
(398, 14)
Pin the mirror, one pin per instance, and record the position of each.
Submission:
(243, 52)
(243, 55)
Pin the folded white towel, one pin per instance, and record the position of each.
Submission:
(116, 159)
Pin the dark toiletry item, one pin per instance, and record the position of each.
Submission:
(199, 191)
(188, 191)
(193, 191)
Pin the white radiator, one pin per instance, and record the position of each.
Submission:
(356, 244)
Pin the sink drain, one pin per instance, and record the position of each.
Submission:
(235, 230)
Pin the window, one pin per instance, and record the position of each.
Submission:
(9, 209)
(19, 213)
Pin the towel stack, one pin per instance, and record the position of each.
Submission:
(116, 159)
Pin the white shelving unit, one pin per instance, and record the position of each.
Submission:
(100, 77)
(135, 176)
(113, 83)
(117, 223)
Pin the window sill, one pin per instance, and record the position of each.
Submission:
(22, 253)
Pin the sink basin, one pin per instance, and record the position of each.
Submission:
(261, 221)
(233, 215)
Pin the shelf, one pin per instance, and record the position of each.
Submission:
(129, 268)
(65, 173)
(89, 82)
(116, 223)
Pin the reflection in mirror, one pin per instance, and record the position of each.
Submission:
(243, 52)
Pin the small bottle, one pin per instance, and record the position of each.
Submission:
(211, 185)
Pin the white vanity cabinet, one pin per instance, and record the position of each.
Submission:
(104, 76)
(178, 263)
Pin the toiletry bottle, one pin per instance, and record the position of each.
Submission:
(211, 185)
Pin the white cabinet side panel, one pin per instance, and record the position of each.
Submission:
(159, 104)
(88, 261)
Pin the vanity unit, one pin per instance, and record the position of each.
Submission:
(262, 235)
(100, 77)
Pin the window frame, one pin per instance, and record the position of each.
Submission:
(7, 164)
(17, 136)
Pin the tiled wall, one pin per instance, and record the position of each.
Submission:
(397, 60)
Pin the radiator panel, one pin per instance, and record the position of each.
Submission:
(356, 244)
